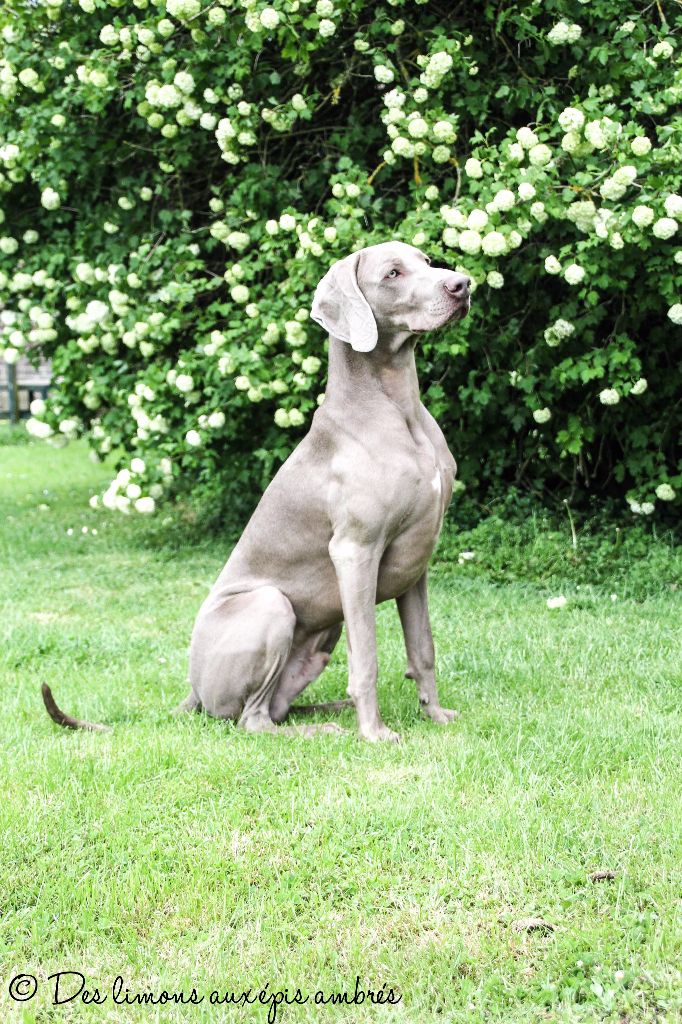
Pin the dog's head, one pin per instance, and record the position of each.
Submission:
(387, 289)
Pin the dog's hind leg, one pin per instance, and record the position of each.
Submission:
(190, 703)
(240, 645)
(307, 661)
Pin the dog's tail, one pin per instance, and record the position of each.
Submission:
(61, 718)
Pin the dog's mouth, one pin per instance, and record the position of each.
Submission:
(461, 310)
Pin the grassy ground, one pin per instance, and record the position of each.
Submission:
(181, 853)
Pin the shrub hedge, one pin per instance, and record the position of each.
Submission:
(176, 176)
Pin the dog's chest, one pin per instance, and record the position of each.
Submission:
(423, 505)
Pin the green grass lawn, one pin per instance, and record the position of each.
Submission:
(181, 853)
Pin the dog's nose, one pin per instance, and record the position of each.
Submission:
(457, 284)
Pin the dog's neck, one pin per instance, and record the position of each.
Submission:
(388, 371)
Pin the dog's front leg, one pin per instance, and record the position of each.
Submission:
(357, 566)
(413, 609)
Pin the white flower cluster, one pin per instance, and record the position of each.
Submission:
(558, 331)
(563, 32)
(437, 67)
(644, 508)
(126, 490)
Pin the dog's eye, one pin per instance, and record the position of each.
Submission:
(393, 273)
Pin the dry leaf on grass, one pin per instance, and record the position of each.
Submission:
(602, 876)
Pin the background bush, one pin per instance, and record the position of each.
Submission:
(176, 177)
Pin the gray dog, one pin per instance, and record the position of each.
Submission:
(351, 518)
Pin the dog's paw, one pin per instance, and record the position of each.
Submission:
(380, 734)
(442, 716)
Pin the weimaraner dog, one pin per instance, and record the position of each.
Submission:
(350, 520)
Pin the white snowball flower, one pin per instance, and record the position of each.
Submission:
(183, 10)
(540, 155)
(443, 131)
(665, 492)
(526, 191)
(470, 242)
(37, 407)
(558, 331)
(451, 237)
(647, 508)
(50, 199)
(240, 294)
(639, 387)
(193, 438)
(495, 279)
(516, 152)
(145, 505)
(640, 145)
(664, 50)
(324, 8)
(563, 32)
(133, 491)
(327, 28)
(609, 396)
(526, 137)
(184, 82)
(673, 206)
(665, 227)
(571, 142)
(383, 74)
(542, 415)
(571, 119)
(477, 220)
(595, 135)
(493, 244)
(29, 78)
(395, 99)
(38, 429)
(625, 175)
(504, 199)
(611, 189)
(403, 147)
(642, 216)
(269, 18)
(453, 217)
(552, 265)
(108, 35)
(216, 420)
(473, 168)
(184, 382)
(417, 128)
(574, 274)
(675, 313)
(287, 222)
(138, 466)
(237, 240)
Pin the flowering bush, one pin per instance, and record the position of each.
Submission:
(176, 176)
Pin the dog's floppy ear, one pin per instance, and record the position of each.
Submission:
(340, 307)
